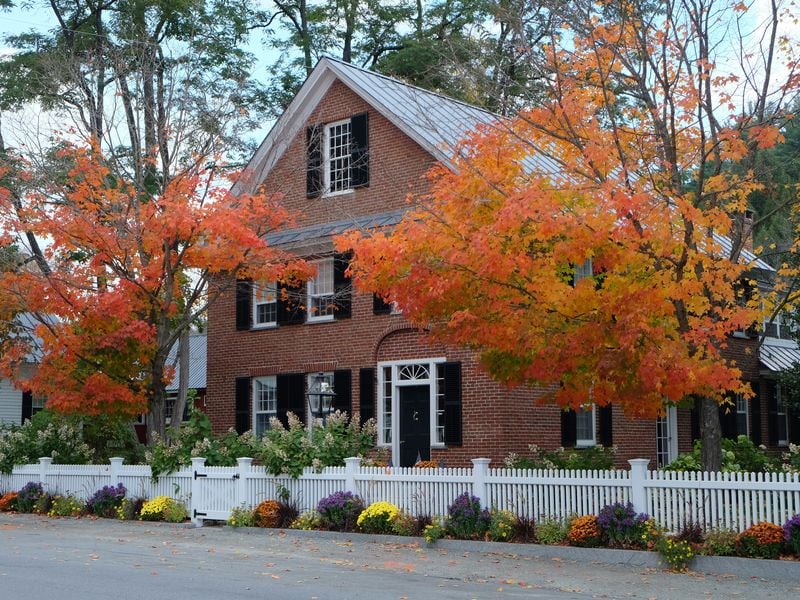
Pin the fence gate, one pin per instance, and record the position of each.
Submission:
(212, 492)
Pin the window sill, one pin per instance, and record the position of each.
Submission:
(264, 326)
(340, 193)
(585, 444)
(325, 319)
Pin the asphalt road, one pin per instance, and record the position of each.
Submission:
(82, 559)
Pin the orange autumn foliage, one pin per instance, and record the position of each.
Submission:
(128, 270)
(487, 259)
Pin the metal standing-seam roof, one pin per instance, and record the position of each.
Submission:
(778, 358)
(197, 363)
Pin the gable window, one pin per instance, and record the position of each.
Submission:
(265, 304)
(338, 156)
(584, 427)
(265, 403)
(320, 291)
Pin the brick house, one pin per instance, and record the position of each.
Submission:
(346, 153)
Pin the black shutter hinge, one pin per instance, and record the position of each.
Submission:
(196, 475)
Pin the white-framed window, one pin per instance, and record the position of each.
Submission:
(265, 304)
(37, 403)
(585, 426)
(321, 292)
(781, 327)
(385, 407)
(337, 149)
(742, 415)
(169, 408)
(265, 403)
(782, 419)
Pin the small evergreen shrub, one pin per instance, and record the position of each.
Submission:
(378, 517)
(340, 511)
(28, 495)
(791, 534)
(465, 518)
(621, 526)
(584, 532)
(762, 540)
(105, 501)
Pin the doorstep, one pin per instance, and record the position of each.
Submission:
(744, 568)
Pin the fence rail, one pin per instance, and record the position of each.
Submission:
(713, 500)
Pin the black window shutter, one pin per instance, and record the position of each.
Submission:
(342, 287)
(27, 406)
(343, 387)
(772, 413)
(366, 394)
(569, 428)
(359, 151)
(695, 420)
(291, 303)
(794, 427)
(314, 161)
(727, 420)
(453, 427)
(244, 307)
(380, 306)
(605, 418)
(243, 403)
(755, 414)
(290, 395)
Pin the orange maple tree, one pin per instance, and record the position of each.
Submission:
(124, 274)
(629, 166)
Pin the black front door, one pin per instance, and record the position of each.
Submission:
(415, 424)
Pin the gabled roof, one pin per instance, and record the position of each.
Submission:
(437, 123)
(197, 363)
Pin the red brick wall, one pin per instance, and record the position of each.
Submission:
(496, 420)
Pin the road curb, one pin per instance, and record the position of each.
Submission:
(744, 568)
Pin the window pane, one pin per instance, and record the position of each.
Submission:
(339, 157)
(584, 423)
(741, 415)
(386, 404)
(320, 290)
(264, 403)
(265, 301)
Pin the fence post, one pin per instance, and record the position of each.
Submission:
(638, 478)
(44, 467)
(352, 466)
(480, 471)
(115, 472)
(198, 468)
(244, 464)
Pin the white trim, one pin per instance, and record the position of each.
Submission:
(254, 401)
(255, 304)
(310, 316)
(781, 405)
(294, 118)
(430, 381)
(326, 158)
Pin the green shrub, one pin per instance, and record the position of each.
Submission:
(501, 526)
(130, 509)
(737, 455)
(762, 540)
(409, 525)
(552, 531)
(65, 506)
(45, 435)
(163, 508)
(28, 496)
(719, 542)
(307, 521)
(595, 457)
(434, 532)
(676, 553)
(242, 516)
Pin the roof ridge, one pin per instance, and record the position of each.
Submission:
(410, 85)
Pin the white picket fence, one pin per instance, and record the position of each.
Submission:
(713, 500)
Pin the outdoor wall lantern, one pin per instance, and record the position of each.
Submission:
(320, 396)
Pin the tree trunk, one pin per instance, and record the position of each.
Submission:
(710, 434)
(183, 381)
